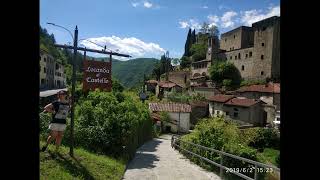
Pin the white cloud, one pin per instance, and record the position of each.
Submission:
(183, 24)
(227, 19)
(192, 23)
(205, 7)
(252, 16)
(147, 4)
(132, 46)
(213, 20)
(135, 4)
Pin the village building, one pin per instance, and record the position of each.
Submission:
(179, 116)
(238, 109)
(52, 73)
(151, 86)
(269, 93)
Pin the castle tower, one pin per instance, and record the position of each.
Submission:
(213, 46)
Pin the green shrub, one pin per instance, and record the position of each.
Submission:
(111, 123)
(278, 160)
(220, 135)
(260, 138)
(44, 119)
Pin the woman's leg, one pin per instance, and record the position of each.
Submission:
(59, 139)
(53, 135)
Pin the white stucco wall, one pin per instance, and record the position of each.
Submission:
(214, 107)
(184, 122)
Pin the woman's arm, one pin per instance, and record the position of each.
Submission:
(49, 108)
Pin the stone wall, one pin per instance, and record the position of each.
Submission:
(195, 71)
(264, 43)
(231, 40)
(180, 77)
(204, 91)
(245, 64)
(198, 112)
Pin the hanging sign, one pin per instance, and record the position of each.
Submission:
(97, 74)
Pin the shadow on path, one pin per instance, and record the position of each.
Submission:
(143, 160)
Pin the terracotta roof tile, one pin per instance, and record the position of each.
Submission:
(269, 88)
(220, 98)
(242, 102)
(167, 84)
(169, 107)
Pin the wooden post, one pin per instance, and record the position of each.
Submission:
(75, 45)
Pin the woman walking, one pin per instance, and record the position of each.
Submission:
(59, 110)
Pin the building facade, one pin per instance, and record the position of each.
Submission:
(242, 110)
(52, 73)
(179, 116)
(255, 51)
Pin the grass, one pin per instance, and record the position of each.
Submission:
(269, 156)
(84, 165)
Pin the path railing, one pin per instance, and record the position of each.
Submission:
(175, 141)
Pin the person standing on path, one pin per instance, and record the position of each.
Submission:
(59, 110)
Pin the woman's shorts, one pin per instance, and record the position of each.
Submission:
(57, 127)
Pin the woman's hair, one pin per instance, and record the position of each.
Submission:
(62, 92)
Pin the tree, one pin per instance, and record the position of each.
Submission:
(193, 35)
(199, 51)
(204, 28)
(175, 61)
(224, 72)
(161, 67)
(187, 44)
(185, 62)
(213, 31)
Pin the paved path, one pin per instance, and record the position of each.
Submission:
(156, 160)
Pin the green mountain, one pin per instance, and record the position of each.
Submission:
(130, 72)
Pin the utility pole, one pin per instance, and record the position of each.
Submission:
(75, 46)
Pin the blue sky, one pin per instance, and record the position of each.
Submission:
(147, 28)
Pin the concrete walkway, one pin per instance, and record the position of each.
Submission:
(156, 160)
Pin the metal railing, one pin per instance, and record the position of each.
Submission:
(175, 139)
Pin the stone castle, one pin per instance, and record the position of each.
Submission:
(255, 51)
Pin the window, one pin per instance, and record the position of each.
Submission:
(242, 67)
(264, 28)
(246, 55)
(235, 109)
(225, 40)
(42, 81)
(234, 36)
(230, 49)
(262, 73)
(250, 54)
(44, 70)
(262, 56)
(262, 44)
(235, 57)
(45, 59)
(239, 55)
(235, 114)
(57, 66)
(227, 113)
(230, 57)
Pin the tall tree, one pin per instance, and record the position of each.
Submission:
(193, 36)
(204, 28)
(187, 44)
(214, 31)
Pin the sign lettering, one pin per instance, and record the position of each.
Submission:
(97, 74)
